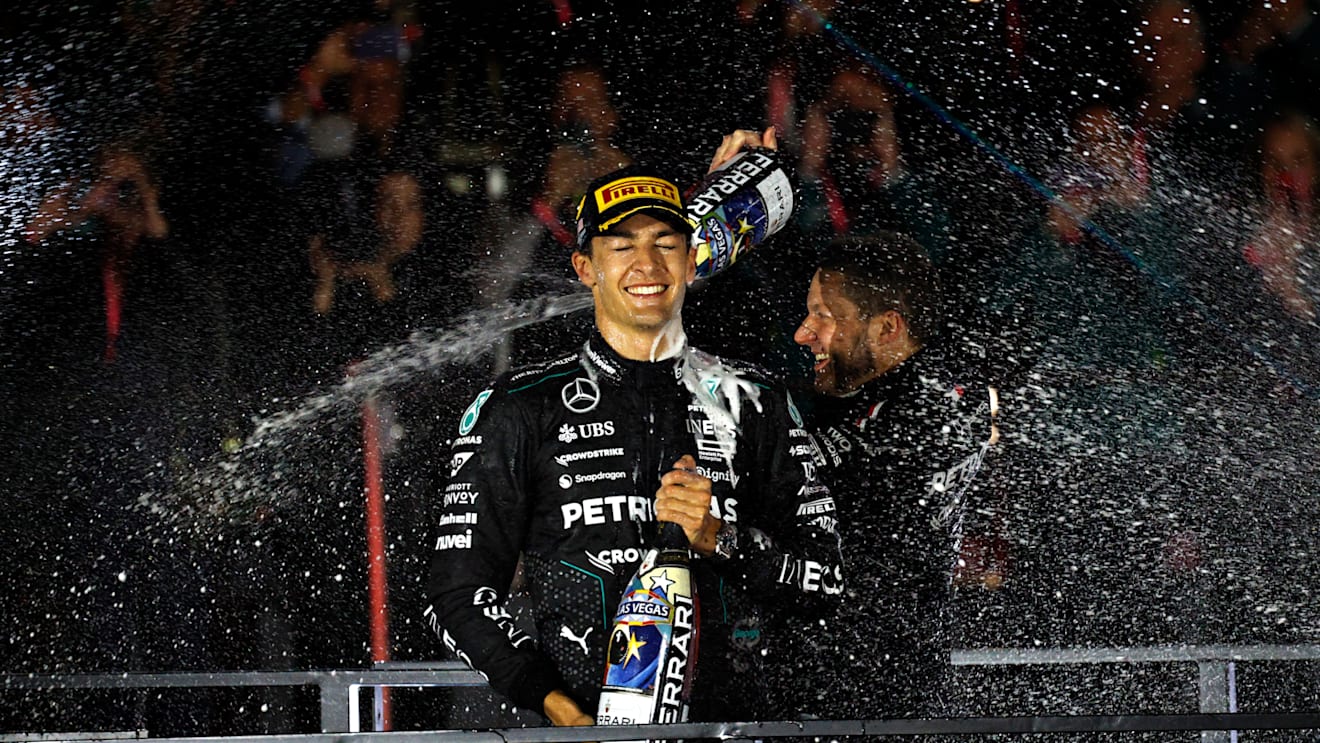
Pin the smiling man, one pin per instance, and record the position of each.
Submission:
(571, 463)
(857, 332)
(637, 264)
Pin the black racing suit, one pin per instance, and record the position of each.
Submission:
(900, 455)
(561, 461)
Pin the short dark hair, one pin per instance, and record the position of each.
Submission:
(888, 271)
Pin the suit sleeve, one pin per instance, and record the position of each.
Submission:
(793, 541)
(482, 516)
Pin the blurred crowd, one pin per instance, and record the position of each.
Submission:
(212, 208)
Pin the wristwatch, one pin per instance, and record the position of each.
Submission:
(726, 541)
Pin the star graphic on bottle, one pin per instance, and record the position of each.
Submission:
(744, 226)
(634, 649)
(661, 582)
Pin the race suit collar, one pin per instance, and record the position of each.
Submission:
(891, 384)
(605, 364)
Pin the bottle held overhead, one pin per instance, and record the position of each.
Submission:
(737, 207)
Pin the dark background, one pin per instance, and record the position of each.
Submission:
(218, 333)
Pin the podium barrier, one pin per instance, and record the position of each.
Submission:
(809, 728)
(1216, 667)
(340, 692)
(339, 689)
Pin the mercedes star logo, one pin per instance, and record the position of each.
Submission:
(581, 395)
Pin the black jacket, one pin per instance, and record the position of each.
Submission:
(560, 462)
(901, 455)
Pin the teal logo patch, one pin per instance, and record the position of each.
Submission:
(712, 385)
(469, 421)
(793, 412)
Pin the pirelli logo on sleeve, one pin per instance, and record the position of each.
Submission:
(617, 192)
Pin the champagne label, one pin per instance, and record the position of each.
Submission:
(652, 645)
(737, 207)
(619, 707)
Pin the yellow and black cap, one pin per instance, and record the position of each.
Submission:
(613, 198)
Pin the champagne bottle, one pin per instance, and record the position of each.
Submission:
(737, 207)
(652, 651)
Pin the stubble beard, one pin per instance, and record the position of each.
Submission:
(844, 375)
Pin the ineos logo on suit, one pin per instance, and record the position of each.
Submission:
(581, 395)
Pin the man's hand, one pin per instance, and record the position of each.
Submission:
(740, 140)
(684, 498)
(562, 711)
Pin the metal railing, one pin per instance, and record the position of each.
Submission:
(339, 689)
(1216, 666)
(808, 728)
(340, 700)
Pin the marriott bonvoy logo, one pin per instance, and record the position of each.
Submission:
(632, 188)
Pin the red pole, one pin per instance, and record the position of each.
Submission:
(376, 585)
